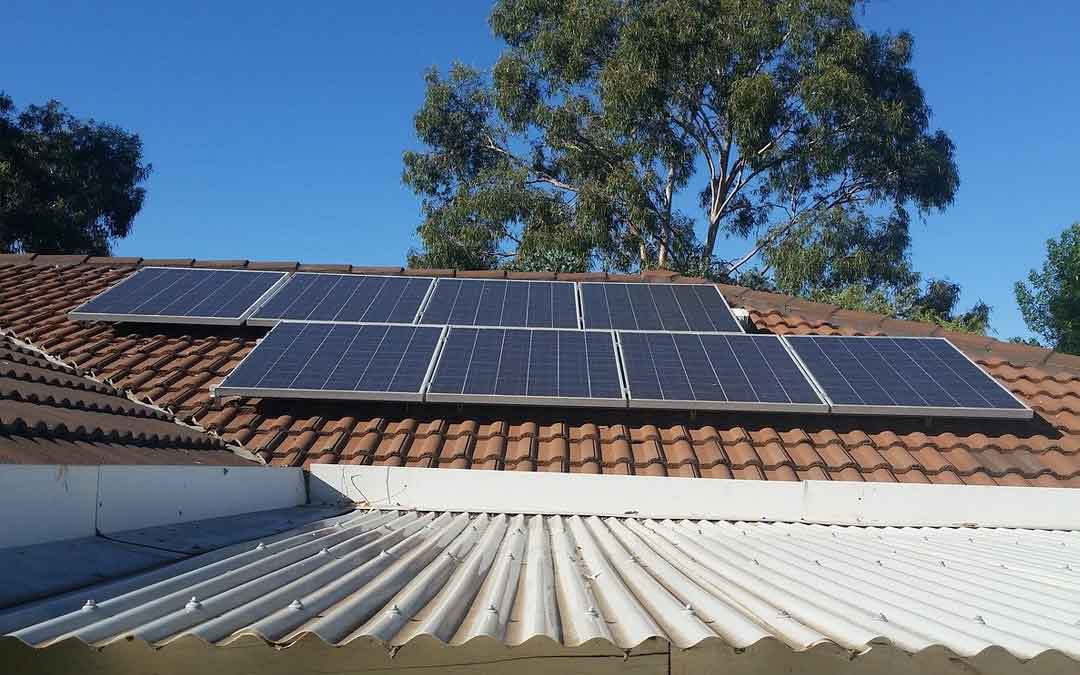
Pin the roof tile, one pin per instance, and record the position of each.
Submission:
(178, 370)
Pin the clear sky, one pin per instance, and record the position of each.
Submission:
(276, 129)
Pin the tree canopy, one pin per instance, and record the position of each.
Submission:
(66, 185)
(1050, 300)
(630, 134)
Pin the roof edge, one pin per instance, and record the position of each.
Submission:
(666, 497)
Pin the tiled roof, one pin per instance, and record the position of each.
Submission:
(51, 414)
(174, 367)
(393, 577)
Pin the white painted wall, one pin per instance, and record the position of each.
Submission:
(40, 503)
(131, 497)
(53, 502)
(834, 503)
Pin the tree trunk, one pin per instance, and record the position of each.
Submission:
(710, 243)
(665, 233)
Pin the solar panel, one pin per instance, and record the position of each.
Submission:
(903, 376)
(181, 295)
(321, 360)
(344, 298)
(714, 371)
(528, 366)
(661, 307)
(496, 302)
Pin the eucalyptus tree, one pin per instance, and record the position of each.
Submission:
(66, 185)
(629, 134)
(1050, 299)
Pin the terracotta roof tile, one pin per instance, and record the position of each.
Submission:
(43, 399)
(177, 370)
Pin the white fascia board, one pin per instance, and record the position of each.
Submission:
(822, 502)
(132, 497)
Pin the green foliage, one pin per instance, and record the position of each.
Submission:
(1050, 300)
(908, 298)
(1031, 342)
(790, 122)
(66, 185)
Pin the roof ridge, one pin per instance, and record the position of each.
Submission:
(762, 302)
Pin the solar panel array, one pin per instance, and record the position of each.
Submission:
(512, 365)
(345, 298)
(499, 341)
(181, 295)
(903, 376)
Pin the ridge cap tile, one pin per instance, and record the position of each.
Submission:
(481, 274)
(114, 260)
(377, 269)
(273, 265)
(168, 262)
(62, 260)
(332, 268)
(903, 327)
(221, 264)
(16, 257)
(1063, 360)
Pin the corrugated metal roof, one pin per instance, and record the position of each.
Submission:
(393, 576)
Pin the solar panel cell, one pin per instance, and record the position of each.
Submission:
(914, 376)
(513, 363)
(656, 307)
(595, 296)
(181, 295)
(602, 366)
(515, 307)
(573, 366)
(668, 308)
(714, 371)
(641, 377)
(483, 364)
(527, 366)
(666, 358)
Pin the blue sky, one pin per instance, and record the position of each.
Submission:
(276, 129)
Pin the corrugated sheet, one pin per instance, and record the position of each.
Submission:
(393, 576)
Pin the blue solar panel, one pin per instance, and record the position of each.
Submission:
(903, 376)
(320, 360)
(714, 371)
(660, 307)
(495, 302)
(345, 298)
(528, 366)
(181, 295)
